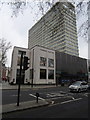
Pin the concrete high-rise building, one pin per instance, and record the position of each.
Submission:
(56, 30)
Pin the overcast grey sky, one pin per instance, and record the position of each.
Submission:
(15, 29)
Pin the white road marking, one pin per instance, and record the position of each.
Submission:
(86, 94)
(53, 102)
(15, 95)
(71, 97)
(55, 95)
(70, 101)
(35, 97)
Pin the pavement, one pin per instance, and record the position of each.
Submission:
(7, 86)
(22, 105)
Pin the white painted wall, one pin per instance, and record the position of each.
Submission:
(14, 66)
(27, 76)
(42, 52)
(34, 55)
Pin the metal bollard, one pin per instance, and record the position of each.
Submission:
(37, 95)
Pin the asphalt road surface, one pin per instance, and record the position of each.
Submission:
(64, 103)
(10, 96)
(70, 109)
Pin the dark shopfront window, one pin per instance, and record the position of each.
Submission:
(42, 73)
(50, 74)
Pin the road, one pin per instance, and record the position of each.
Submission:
(10, 96)
(73, 109)
(64, 103)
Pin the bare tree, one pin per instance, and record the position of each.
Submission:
(44, 5)
(4, 46)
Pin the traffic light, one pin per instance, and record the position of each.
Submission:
(25, 64)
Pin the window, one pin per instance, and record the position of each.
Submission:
(50, 74)
(89, 68)
(83, 83)
(18, 61)
(50, 63)
(19, 52)
(43, 61)
(42, 73)
(18, 72)
(31, 73)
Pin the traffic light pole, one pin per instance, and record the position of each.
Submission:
(32, 69)
(19, 80)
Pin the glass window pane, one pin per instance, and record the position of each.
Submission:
(31, 74)
(20, 52)
(50, 63)
(50, 74)
(43, 61)
(18, 72)
(42, 73)
(18, 61)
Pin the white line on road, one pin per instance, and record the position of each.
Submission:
(15, 95)
(71, 97)
(35, 97)
(86, 94)
(70, 101)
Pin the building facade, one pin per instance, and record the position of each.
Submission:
(15, 64)
(70, 67)
(0, 71)
(0, 66)
(47, 66)
(56, 30)
(88, 70)
(42, 66)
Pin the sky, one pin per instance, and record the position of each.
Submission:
(15, 29)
